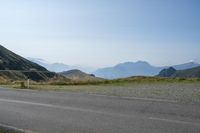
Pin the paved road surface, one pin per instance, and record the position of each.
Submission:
(63, 112)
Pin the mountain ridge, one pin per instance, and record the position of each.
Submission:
(187, 73)
(184, 66)
(128, 69)
(121, 70)
(139, 68)
(11, 61)
(15, 67)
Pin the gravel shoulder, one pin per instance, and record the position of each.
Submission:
(177, 91)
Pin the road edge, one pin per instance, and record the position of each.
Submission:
(11, 129)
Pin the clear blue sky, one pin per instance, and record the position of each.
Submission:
(102, 32)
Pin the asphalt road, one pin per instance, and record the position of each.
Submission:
(63, 112)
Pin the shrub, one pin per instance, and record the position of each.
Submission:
(22, 85)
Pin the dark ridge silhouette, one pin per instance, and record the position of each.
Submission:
(12, 61)
(15, 67)
(168, 72)
(187, 73)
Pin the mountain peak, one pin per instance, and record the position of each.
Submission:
(168, 72)
(192, 62)
(127, 69)
(187, 65)
(142, 62)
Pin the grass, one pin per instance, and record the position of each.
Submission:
(127, 80)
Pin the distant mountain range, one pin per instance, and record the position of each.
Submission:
(187, 73)
(60, 67)
(139, 68)
(15, 67)
(123, 70)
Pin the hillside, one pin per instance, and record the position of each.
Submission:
(167, 72)
(12, 61)
(14, 67)
(187, 73)
(24, 75)
(78, 75)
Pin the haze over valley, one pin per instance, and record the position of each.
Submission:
(122, 70)
(99, 66)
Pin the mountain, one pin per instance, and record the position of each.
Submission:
(127, 69)
(167, 72)
(186, 66)
(78, 75)
(60, 67)
(140, 68)
(187, 73)
(24, 75)
(12, 61)
(15, 67)
(55, 67)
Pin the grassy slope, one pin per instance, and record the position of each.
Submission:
(187, 73)
(10, 76)
(12, 61)
(13, 67)
(193, 72)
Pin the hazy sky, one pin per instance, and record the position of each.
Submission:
(102, 32)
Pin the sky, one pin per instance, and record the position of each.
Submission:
(102, 33)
